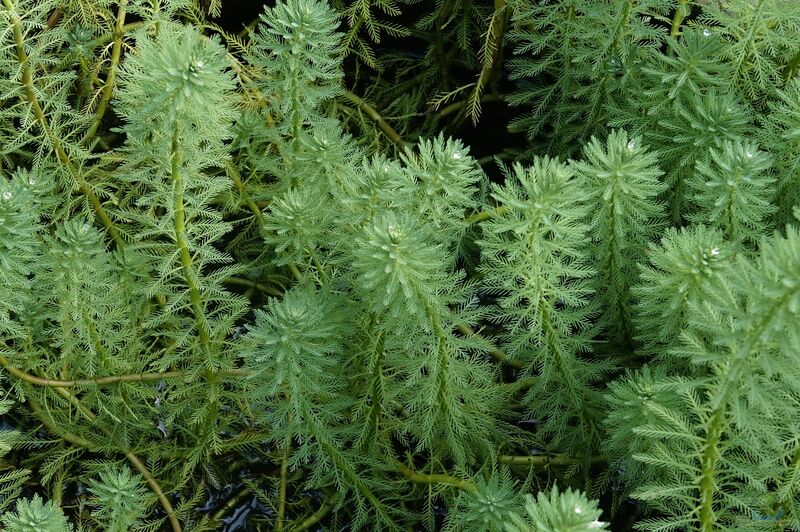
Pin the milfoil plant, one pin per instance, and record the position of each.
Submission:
(223, 303)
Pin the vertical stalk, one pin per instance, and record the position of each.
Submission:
(282, 490)
(442, 356)
(182, 241)
(708, 485)
(38, 112)
(108, 89)
(716, 423)
(377, 388)
(441, 59)
(681, 10)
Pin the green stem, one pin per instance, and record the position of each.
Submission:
(443, 359)
(377, 388)
(492, 50)
(711, 455)
(376, 117)
(282, 489)
(458, 106)
(108, 89)
(233, 501)
(254, 208)
(485, 215)
(233, 173)
(182, 242)
(435, 478)
(716, 424)
(681, 10)
(295, 272)
(316, 517)
(101, 381)
(441, 58)
(254, 284)
(548, 460)
(132, 458)
(38, 112)
(791, 67)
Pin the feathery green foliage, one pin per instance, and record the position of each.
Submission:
(257, 280)
(536, 263)
(620, 181)
(34, 516)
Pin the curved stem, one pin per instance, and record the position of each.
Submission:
(156, 487)
(708, 485)
(182, 243)
(132, 458)
(253, 284)
(492, 50)
(282, 490)
(496, 354)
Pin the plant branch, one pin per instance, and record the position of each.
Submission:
(485, 215)
(108, 89)
(254, 284)
(544, 460)
(376, 117)
(435, 478)
(132, 458)
(316, 517)
(100, 381)
(282, 489)
(681, 10)
(492, 49)
(63, 157)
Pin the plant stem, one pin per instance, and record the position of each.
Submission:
(38, 112)
(548, 460)
(181, 241)
(231, 503)
(458, 106)
(791, 67)
(485, 215)
(317, 516)
(492, 49)
(435, 478)
(100, 381)
(282, 489)
(233, 173)
(132, 458)
(254, 284)
(236, 178)
(108, 89)
(711, 455)
(441, 57)
(681, 10)
(376, 117)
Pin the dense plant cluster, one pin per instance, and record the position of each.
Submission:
(255, 279)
